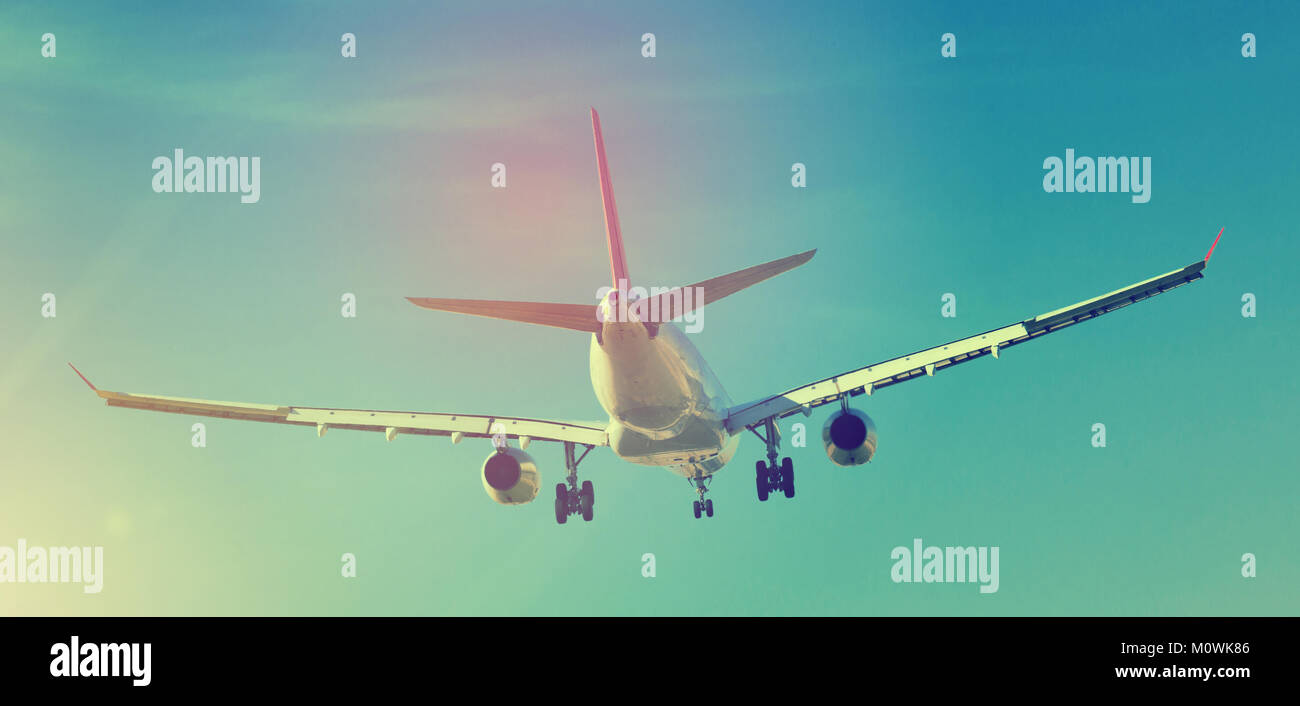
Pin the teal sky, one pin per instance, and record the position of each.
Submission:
(924, 177)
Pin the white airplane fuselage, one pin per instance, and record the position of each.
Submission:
(665, 405)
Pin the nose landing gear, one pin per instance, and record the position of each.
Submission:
(701, 506)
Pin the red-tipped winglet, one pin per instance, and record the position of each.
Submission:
(83, 377)
(1216, 242)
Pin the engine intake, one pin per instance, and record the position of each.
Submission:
(850, 437)
(510, 477)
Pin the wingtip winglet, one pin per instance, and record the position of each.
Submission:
(83, 377)
(1216, 242)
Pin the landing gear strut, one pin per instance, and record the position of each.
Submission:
(570, 499)
(701, 505)
(770, 477)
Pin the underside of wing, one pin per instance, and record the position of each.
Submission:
(931, 360)
(391, 423)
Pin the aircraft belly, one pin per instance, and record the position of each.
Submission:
(703, 444)
(664, 403)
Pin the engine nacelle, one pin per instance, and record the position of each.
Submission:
(849, 437)
(510, 477)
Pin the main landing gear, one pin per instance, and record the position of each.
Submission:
(570, 499)
(701, 505)
(770, 477)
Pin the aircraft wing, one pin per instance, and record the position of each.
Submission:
(391, 424)
(939, 358)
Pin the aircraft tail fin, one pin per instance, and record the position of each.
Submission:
(663, 306)
(613, 232)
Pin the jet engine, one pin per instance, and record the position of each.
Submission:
(510, 477)
(850, 437)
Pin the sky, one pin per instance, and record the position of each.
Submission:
(924, 177)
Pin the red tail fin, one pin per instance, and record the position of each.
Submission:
(583, 317)
(613, 234)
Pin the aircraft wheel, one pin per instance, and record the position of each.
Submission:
(760, 480)
(561, 503)
(708, 507)
(586, 501)
(787, 476)
(697, 509)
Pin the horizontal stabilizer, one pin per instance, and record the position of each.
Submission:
(576, 317)
(675, 303)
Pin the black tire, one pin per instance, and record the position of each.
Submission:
(787, 476)
(561, 503)
(696, 505)
(760, 480)
(590, 490)
(708, 507)
(585, 503)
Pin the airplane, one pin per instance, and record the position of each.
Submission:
(666, 407)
